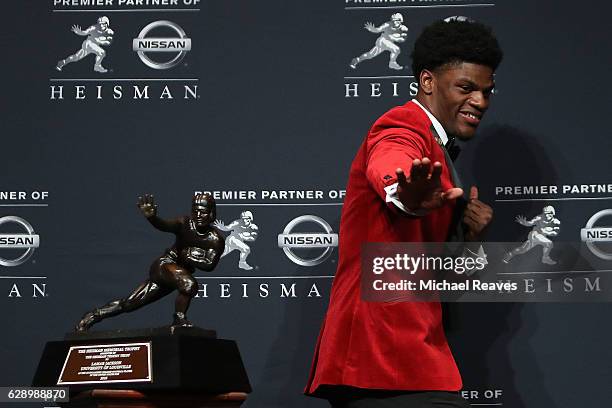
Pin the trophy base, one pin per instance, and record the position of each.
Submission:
(179, 359)
(103, 398)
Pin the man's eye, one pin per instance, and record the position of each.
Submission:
(465, 88)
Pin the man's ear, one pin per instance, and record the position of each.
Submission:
(426, 81)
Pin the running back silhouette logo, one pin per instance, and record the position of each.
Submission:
(98, 35)
(391, 32)
(241, 232)
(543, 227)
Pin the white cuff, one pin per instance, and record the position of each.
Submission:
(392, 197)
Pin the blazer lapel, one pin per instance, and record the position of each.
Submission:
(455, 232)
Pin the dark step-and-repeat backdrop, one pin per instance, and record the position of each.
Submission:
(257, 102)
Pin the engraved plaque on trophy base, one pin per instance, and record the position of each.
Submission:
(108, 363)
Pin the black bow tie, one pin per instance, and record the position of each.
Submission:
(452, 149)
(453, 152)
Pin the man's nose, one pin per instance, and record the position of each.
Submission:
(479, 100)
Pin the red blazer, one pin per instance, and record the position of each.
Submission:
(386, 346)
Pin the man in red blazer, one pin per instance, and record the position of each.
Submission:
(403, 188)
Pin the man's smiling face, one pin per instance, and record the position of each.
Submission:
(460, 95)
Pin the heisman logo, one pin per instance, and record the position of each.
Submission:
(591, 234)
(289, 240)
(98, 35)
(241, 231)
(28, 241)
(178, 45)
(391, 33)
(543, 227)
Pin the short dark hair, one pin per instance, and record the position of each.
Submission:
(455, 41)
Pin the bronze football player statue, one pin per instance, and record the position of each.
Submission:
(198, 245)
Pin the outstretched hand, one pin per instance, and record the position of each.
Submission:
(147, 205)
(369, 26)
(422, 190)
(76, 29)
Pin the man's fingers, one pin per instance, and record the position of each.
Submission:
(481, 212)
(401, 177)
(476, 213)
(420, 169)
(416, 170)
(440, 198)
(436, 172)
(425, 170)
(477, 205)
(426, 167)
(452, 193)
(469, 219)
(473, 226)
(469, 210)
(473, 193)
(472, 217)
